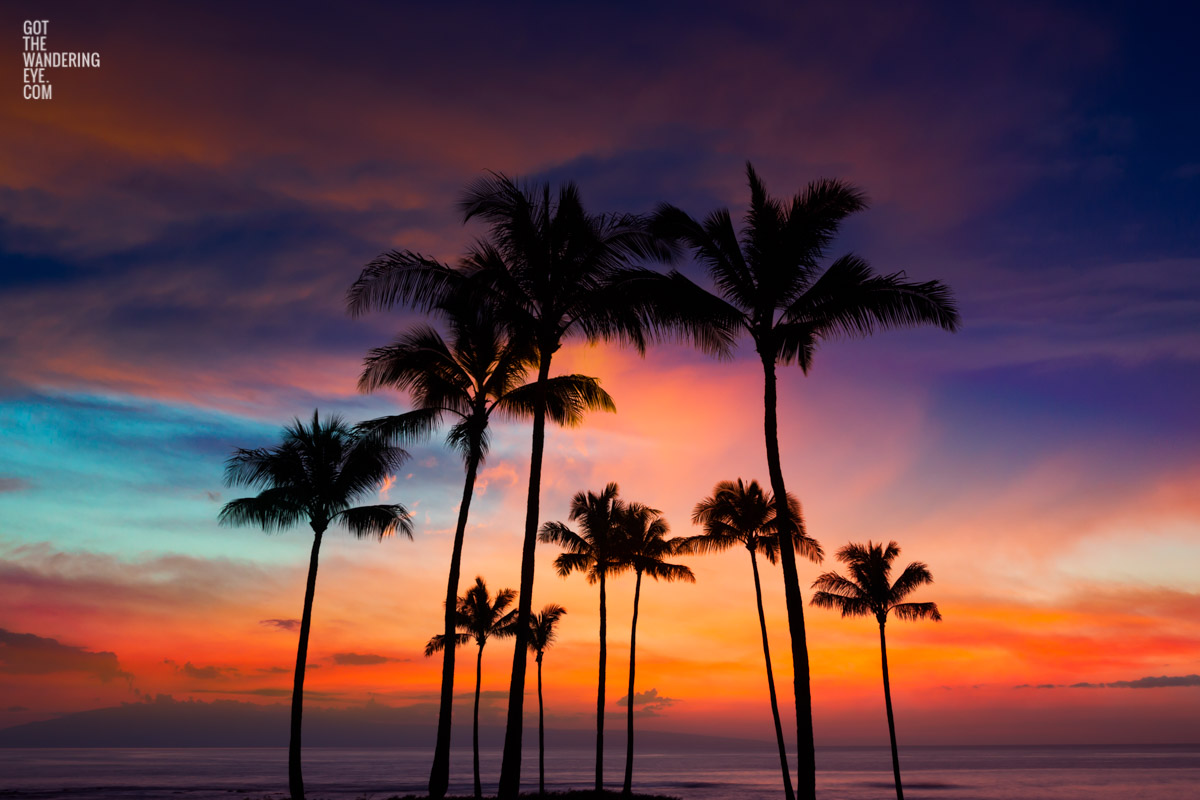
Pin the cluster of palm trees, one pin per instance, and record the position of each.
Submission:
(547, 272)
(614, 537)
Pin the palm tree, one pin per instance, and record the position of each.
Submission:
(548, 271)
(644, 547)
(480, 372)
(741, 514)
(315, 473)
(478, 616)
(869, 591)
(771, 285)
(542, 630)
(596, 552)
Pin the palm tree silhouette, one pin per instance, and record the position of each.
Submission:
(644, 548)
(480, 617)
(595, 551)
(315, 473)
(542, 632)
(771, 285)
(869, 591)
(548, 271)
(741, 514)
(480, 372)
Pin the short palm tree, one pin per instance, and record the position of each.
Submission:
(644, 549)
(596, 552)
(547, 270)
(770, 284)
(743, 514)
(478, 374)
(869, 591)
(542, 631)
(314, 474)
(480, 617)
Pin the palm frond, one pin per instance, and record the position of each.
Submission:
(438, 642)
(401, 277)
(365, 462)
(850, 299)
(543, 627)
(559, 534)
(566, 563)
(795, 343)
(421, 363)
(567, 398)
(914, 576)
(917, 611)
(408, 428)
(265, 467)
(834, 584)
(379, 521)
(848, 606)
(715, 244)
(272, 510)
(668, 573)
(717, 541)
(671, 308)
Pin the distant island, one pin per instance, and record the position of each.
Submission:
(167, 722)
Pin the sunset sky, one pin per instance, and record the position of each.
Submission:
(178, 229)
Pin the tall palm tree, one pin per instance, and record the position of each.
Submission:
(480, 617)
(869, 591)
(479, 373)
(596, 552)
(644, 548)
(315, 473)
(548, 269)
(542, 631)
(743, 514)
(770, 284)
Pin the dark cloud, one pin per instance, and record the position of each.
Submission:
(361, 659)
(1149, 682)
(14, 485)
(209, 673)
(281, 624)
(648, 703)
(271, 691)
(1159, 682)
(29, 654)
(16, 709)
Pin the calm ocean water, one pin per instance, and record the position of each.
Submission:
(1137, 772)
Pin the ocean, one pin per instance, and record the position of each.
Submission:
(1135, 772)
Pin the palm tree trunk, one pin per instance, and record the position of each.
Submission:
(637, 593)
(541, 732)
(295, 775)
(762, 624)
(439, 773)
(475, 731)
(600, 688)
(510, 765)
(887, 699)
(806, 756)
